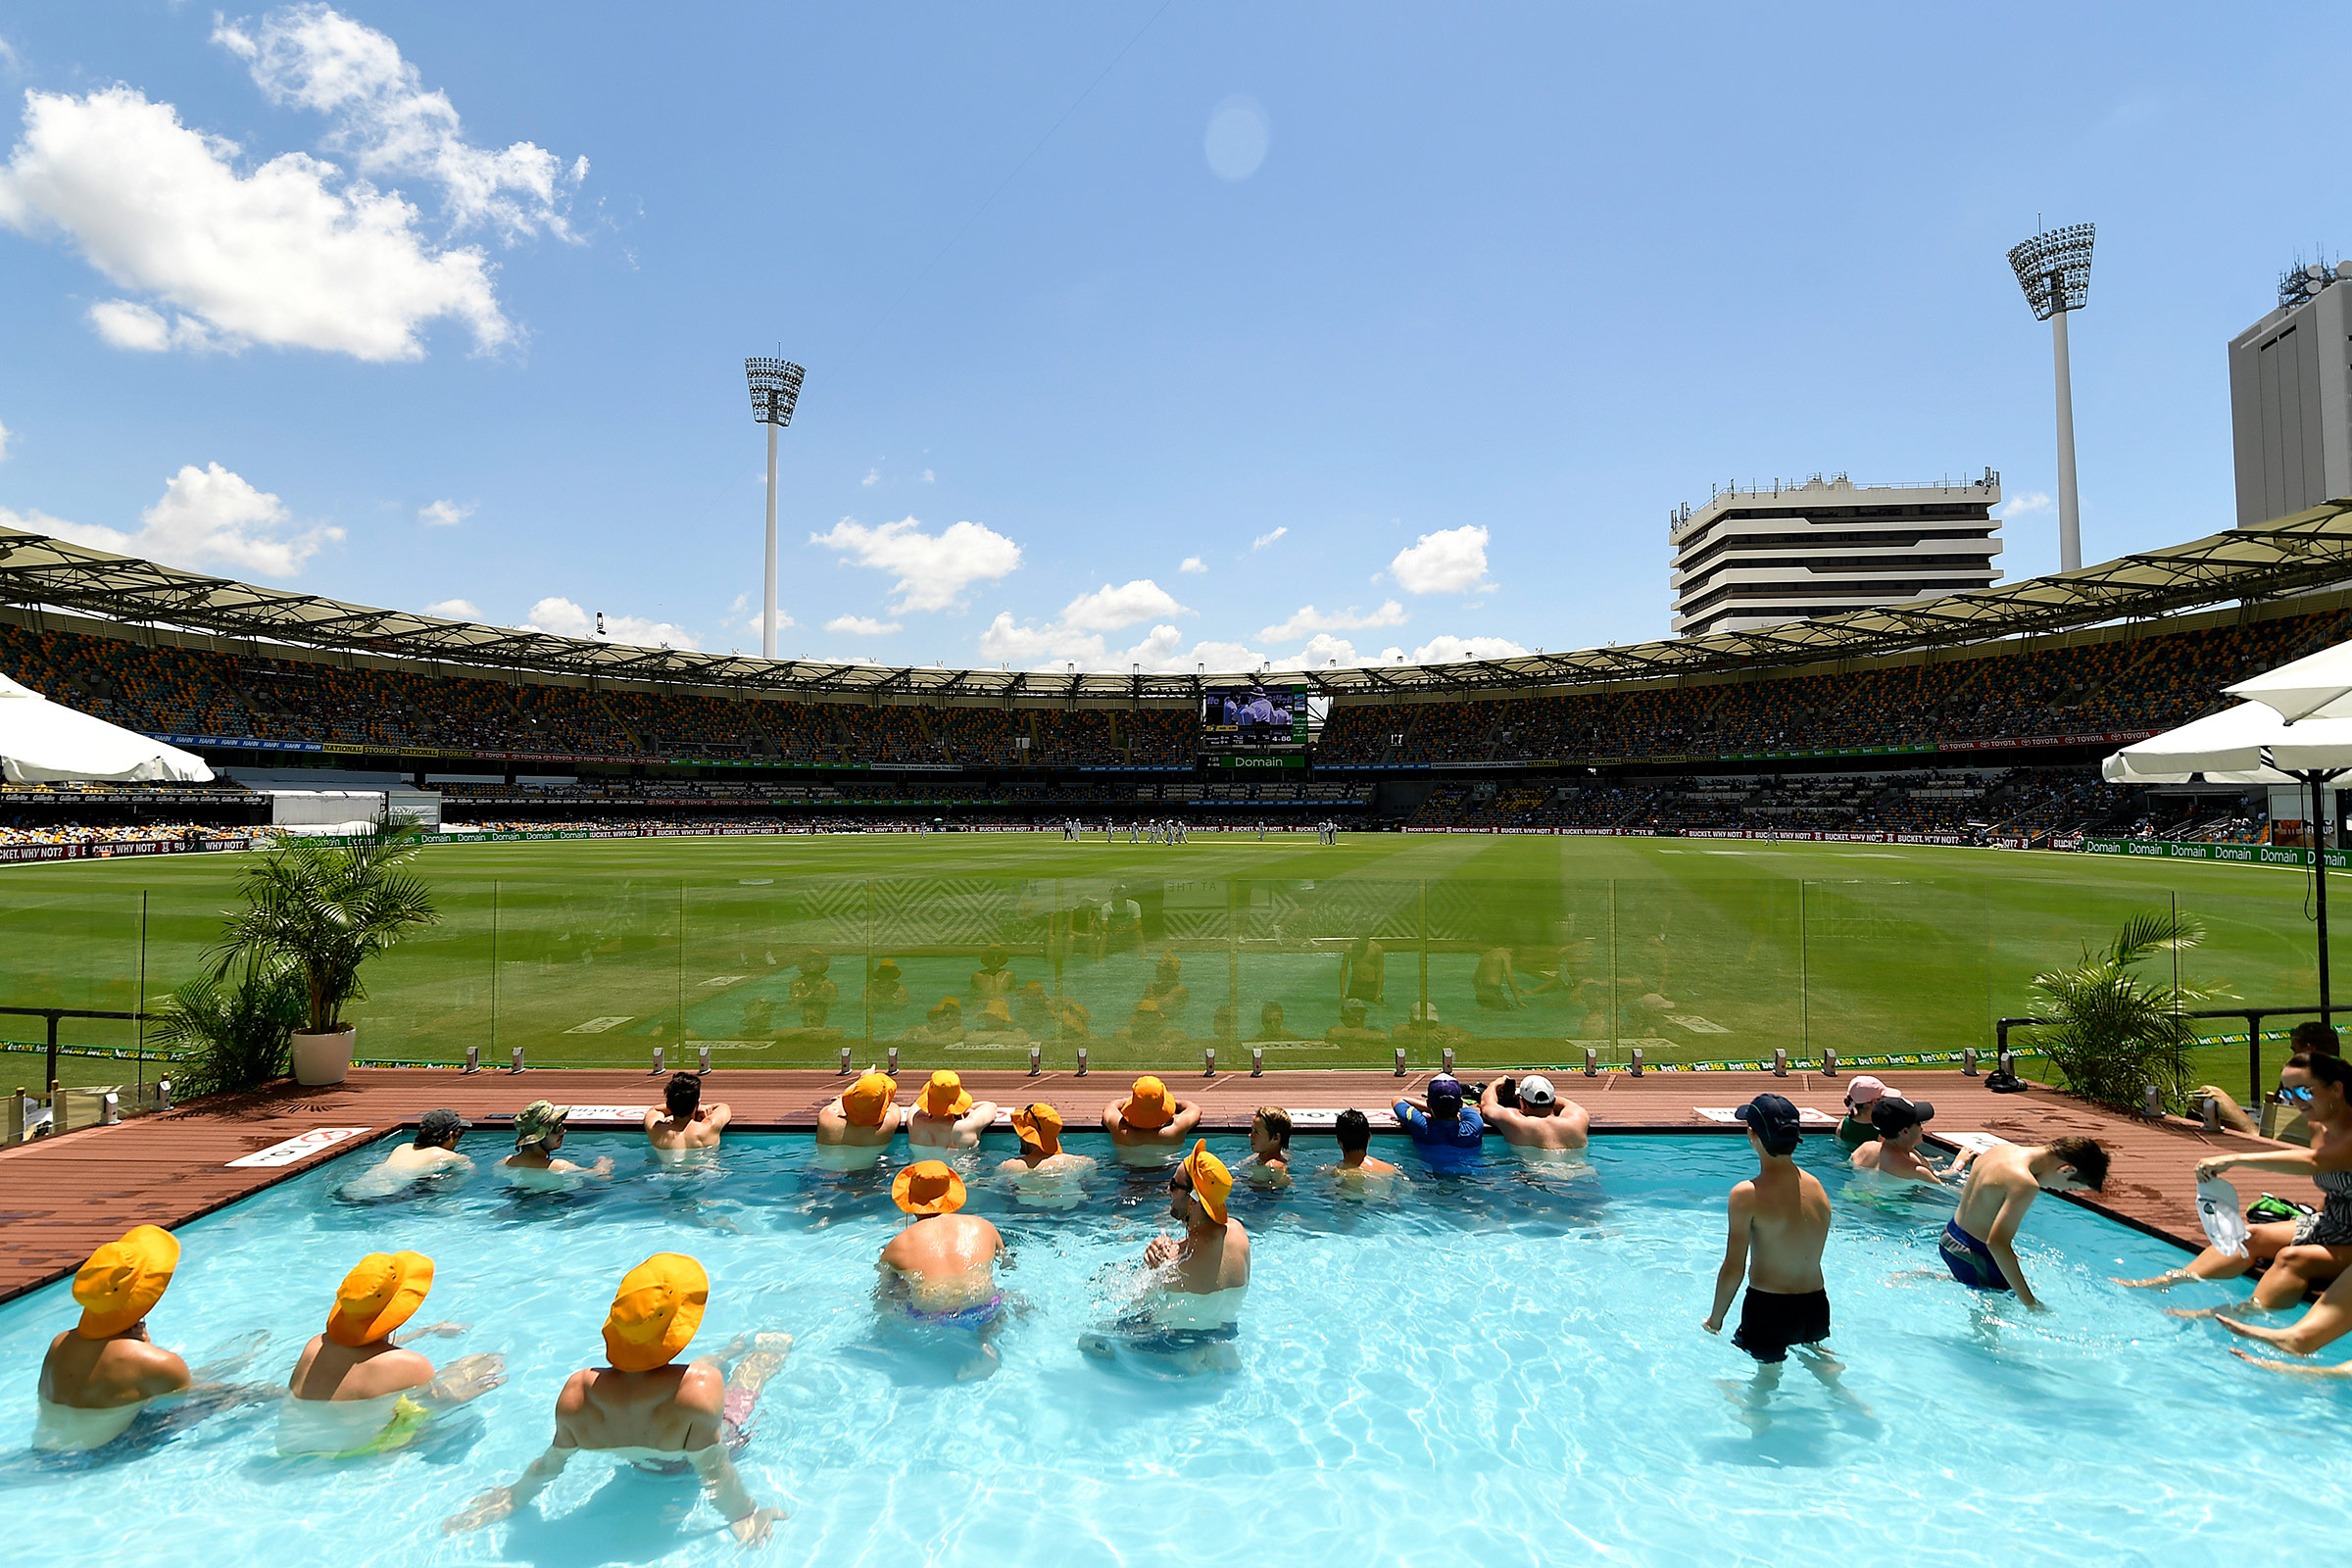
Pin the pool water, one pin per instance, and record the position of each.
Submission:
(1492, 1369)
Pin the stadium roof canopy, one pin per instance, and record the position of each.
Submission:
(2290, 555)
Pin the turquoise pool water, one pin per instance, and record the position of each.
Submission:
(1494, 1370)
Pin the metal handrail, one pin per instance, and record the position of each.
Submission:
(53, 1014)
(2252, 1015)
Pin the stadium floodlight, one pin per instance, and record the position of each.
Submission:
(775, 392)
(2053, 267)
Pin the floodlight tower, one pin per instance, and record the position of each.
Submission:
(775, 389)
(2053, 267)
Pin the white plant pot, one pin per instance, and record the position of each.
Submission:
(321, 1059)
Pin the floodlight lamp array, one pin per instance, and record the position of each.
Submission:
(2053, 267)
(775, 389)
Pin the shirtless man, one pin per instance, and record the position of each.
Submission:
(433, 1153)
(1895, 1153)
(1544, 1129)
(1043, 1174)
(2002, 1184)
(1357, 1169)
(101, 1373)
(1779, 1223)
(1191, 1315)
(356, 1392)
(857, 1125)
(538, 1134)
(688, 1124)
(1150, 1126)
(946, 1116)
(1269, 1161)
(941, 1270)
(645, 1411)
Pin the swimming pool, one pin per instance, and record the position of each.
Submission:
(1494, 1370)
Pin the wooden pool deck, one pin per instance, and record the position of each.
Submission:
(62, 1196)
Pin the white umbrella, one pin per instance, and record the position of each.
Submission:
(2319, 686)
(41, 741)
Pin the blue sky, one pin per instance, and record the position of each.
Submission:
(1135, 333)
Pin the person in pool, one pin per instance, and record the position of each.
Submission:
(432, 1154)
(1148, 1127)
(1357, 1169)
(1190, 1313)
(2304, 1253)
(941, 1271)
(1854, 1129)
(644, 1410)
(356, 1392)
(1043, 1173)
(684, 1123)
(1446, 1131)
(946, 1117)
(1540, 1126)
(856, 1126)
(102, 1372)
(1895, 1152)
(1780, 1225)
(534, 1165)
(1269, 1161)
(2002, 1184)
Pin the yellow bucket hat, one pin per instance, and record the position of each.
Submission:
(1148, 1105)
(124, 1280)
(945, 1096)
(928, 1188)
(1212, 1183)
(656, 1311)
(865, 1100)
(378, 1295)
(1039, 1127)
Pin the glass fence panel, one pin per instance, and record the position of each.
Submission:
(589, 972)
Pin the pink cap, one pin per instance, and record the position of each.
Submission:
(1862, 1090)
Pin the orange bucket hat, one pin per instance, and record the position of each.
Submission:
(865, 1100)
(124, 1280)
(383, 1291)
(1039, 1127)
(928, 1188)
(944, 1096)
(656, 1311)
(1148, 1105)
(1212, 1183)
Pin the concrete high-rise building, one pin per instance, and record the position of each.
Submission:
(2291, 397)
(1755, 558)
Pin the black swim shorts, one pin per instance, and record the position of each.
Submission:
(1770, 1323)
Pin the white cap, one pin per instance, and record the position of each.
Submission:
(1536, 1089)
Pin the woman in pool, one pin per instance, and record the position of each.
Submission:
(356, 1392)
(643, 1410)
(533, 1166)
(941, 1270)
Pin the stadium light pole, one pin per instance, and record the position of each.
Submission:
(775, 391)
(2053, 267)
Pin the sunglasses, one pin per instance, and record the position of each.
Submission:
(2301, 1097)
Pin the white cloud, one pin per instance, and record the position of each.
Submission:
(1058, 646)
(931, 570)
(1324, 648)
(455, 609)
(1107, 609)
(1452, 561)
(1236, 142)
(444, 513)
(1311, 620)
(208, 516)
(1454, 650)
(3, 443)
(1193, 563)
(2021, 505)
(291, 255)
(873, 476)
(862, 625)
(929, 477)
(1265, 539)
(317, 59)
(564, 618)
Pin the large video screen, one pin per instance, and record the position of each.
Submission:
(1255, 715)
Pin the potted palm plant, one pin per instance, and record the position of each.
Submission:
(2110, 1029)
(323, 908)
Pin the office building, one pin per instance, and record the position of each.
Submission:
(2290, 398)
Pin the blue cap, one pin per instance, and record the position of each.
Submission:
(1444, 1086)
(1775, 1120)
